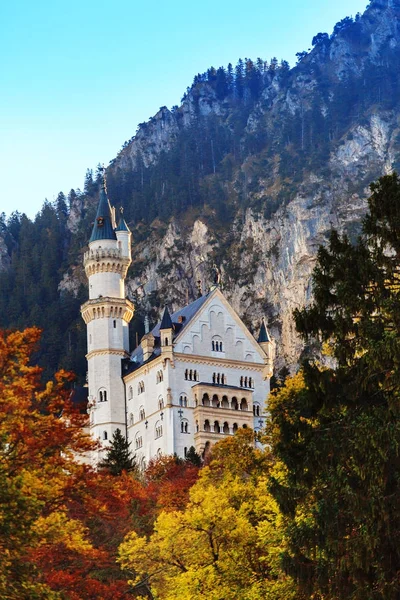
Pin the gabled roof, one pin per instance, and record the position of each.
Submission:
(179, 320)
(263, 336)
(103, 225)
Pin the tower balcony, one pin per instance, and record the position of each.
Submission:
(103, 260)
(220, 410)
(106, 307)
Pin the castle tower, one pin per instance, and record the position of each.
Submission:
(265, 342)
(107, 314)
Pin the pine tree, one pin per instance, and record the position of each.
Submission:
(119, 457)
(337, 430)
(193, 457)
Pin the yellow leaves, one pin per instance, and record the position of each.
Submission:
(57, 528)
(224, 545)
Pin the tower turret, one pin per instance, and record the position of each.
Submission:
(107, 314)
(266, 343)
(166, 333)
(124, 236)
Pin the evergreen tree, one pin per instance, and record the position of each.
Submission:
(119, 456)
(193, 457)
(337, 430)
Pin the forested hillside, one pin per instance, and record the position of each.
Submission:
(250, 172)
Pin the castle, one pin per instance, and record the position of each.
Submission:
(195, 378)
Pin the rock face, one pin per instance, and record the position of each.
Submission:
(4, 256)
(267, 262)
(252, 178)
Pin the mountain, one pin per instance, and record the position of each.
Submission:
(250, 172)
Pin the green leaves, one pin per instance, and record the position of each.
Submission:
(336, 429)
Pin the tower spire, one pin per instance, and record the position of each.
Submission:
(103, 227)
(263, 336)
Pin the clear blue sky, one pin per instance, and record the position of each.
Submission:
(78, 76)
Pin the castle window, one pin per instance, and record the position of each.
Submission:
(166, 341)
(158, 430)
(216, 427)
(235, 427)
(142, 414)
(184, 426)
(105, 435)
(130, 393)
(244, 405)
(138, 441)
(131, 419)
(226, 427)
(115, 324)
(185, 451)
(207, 425)
(102, 396)
(216, 344)
(159, 377)
(256, 410)
(160, 404)
(141, 387)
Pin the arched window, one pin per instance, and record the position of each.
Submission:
(225, 403)
(105, 396)
(114, 324)
(226, 427)
(206, 400)
(101, 396)
(250, 382)
(130, 393)
(142, 414)
(207, 425)
(184, 426)
(186, 374)
(241, 381)
(158, 430)
(215, 401)
(166, 341)
(105, 435)
(214, 378)
(160, 404)
(216, 427)
(235, 404)
(183, 401)
(194, 375)
(256, 410)
(216, 344)
(235, 427)
(245, 382)
(243, 404)
(130, 418)
(138, 441)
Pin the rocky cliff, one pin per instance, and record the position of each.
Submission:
(252, 171)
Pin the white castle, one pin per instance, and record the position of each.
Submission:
(194, 379)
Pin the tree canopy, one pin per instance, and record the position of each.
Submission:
(336, 426)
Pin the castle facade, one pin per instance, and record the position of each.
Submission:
(195, 378)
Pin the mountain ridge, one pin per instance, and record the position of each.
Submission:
(251, 172)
